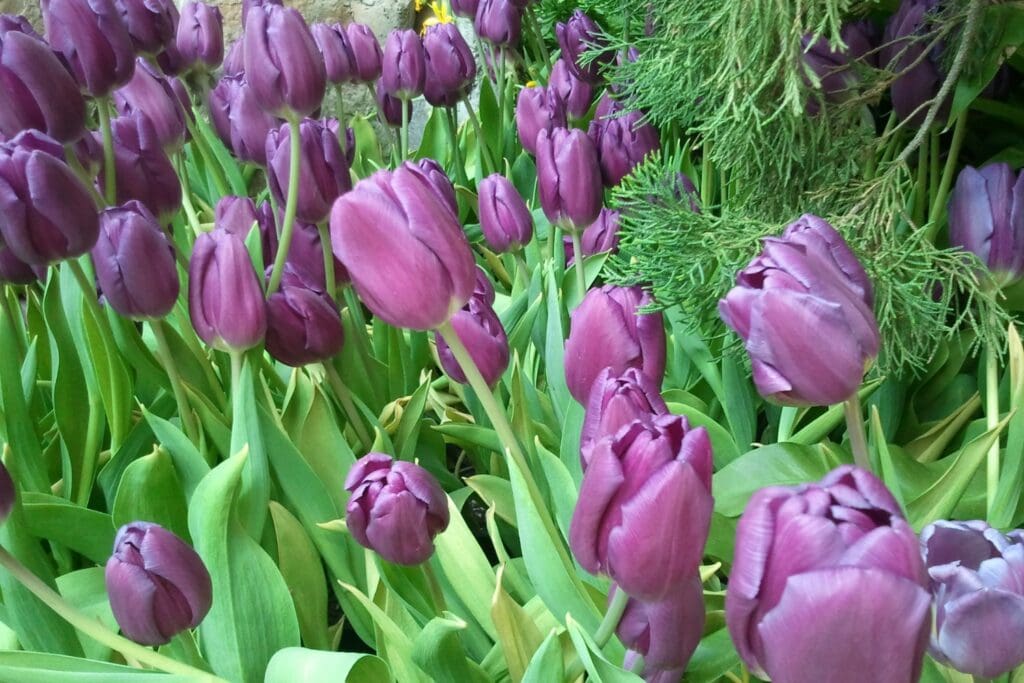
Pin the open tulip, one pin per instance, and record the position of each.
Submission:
(986, 217)
(303, 325)
(826, 563)
(577, 94)
(616, 401)
(239, 121)
(665, 632)
(283, 65)
(323, 167)
(403, 65)
(225, 300)
(332, 39)
(537, 109)
(152, 24)
(622, 143)
(200, 37)
(450, 67)
(568, 178)
(142, 169)
(93, 39)
(366, 52)
(504, 219)
(481, 332)
(577, 36)
(150, 95)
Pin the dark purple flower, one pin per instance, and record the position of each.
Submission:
(200, 38)
(366, 52)
(622, 143)
(234, 62)
(16, 272)
(481, 332)
(152, 24)
(665, 632)
(236, 215)
(391, 107)
(504, 219)
(616, 401)
(93, 39)
(498, 21)
(403, 65)
(149, 94)
(568, 178)
(441, 182)
(537, 108)
(986, 218)
(580, 35)
(323, 168)
(303, 325)
(283, 65)
(332, 39)
(577, 94)
(240, 122)
(142, 169)
(450, 67)
(904, 53)
(464, 8)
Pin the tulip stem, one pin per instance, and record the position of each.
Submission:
(991, 421)
(499, 57)
(855, 429)
(787, 420)
(103, 105)
(290, 206)
(611, 617)
(186, 199)
(522, 269)
(577, 254)
(345, 399)
(453, 131)
(188, 420)
(404, 140)
(485, 153)
(960, 128)
(94, 628)
(83, 175)
(325, 246)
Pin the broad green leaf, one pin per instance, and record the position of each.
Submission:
(932, 444)
(884, 458)
(562, 489)
(439, 652)
(723, 447)
(464, 563)
(518, 635)
(738, 402)
(150, 491)
(781, 464)
(409, 425)
(56, 519)
(112, 378)
(546, 664)
(715, 655)
(396, 643)
(40, 667)
(1011, 479)
(86, 589)
(471, 435)
(301, 665)
(245, 433)
(188, 462)
(26, 464)
(599, 668)
(302, 571)
(554, 349)
(569, 447)
(497, 493)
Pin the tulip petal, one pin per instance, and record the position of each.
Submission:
(600, 484)
(889, 548)
(398, 529)
(131, 592)
(983, 633)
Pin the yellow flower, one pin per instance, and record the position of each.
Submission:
(440, 14)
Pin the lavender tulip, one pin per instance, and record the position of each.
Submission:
(986, 218)
(332, 39)
(482, 288)
(537, 109)
(904, 53)
(504, 218)
(644, 508)
(236, 215)
(622, 143)
(568, 178)
(577, 94)
(225, 300)
(666, 632)
(396, 508)
(142, 169)
(17, 23)
(464, 8)
(92, 38)
(407, 255)
(200, 38)
(616, 401)
(239, 121)
(450, 67)
(441, 182)
(391, 107)
(366, 53)
(234, 61)
(600, 236)
(158, 586)
(149, 94)
(305, 259)
(135, 265)
(499, 22)
(825, 563)
(803, 288)
(151, 24)
(250, 5)
(303, 325)
(481, 332)
(283, 65)
(323, 168)
(577, 36)
(403, 65)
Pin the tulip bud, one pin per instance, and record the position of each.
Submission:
(979, 598)
(580, 35)
(404, 249)
(834, 69)
(92, 38)
(481, 332)
(396, 508)
(200, 38)
(391, 107)
(606, 331)
(303, 325)
(825, 563)
(142, 169)
(666, 632)
(404, 64)
(249, 5)
(499, 22)
(450, 67)
(46, 213)
(225, 300)
(537, 109)
(15, 271)
(151, 24)
(621, 144)
(904, 53)
(135, 265)
(239, 121)
(645, 504)
(504, 218)
(158, 586)
(323, 168)
(441, 182)
(149, 94)
(607, 107)
(236, 215)
(234, 61)
(568, 178)
(38, 91)
(283, 65)
(464, 8)
(366, 53)
(483, 289)
(602, 235)
(615, 401)
(986, 218)
(332, 39)
(575, 93)
(793, 293)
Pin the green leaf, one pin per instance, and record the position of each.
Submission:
(714, 656)
(497, 493)
(722, 445)
(472, 435)
(26, 464)
(1011, 480)
(150, 491)
(1004, 27)
(300, 665)
(781, 464)
(932, 444)
(439, 652)
(409, 425)
(887, 467)
(554, 349)
(546, 664)
(86, 589)
(466, 566)
(396, 644)
(40, 667)
(518, 635)
(112, 377)
(245, 432)
(738, 402)
(303, 572)
(599, 668)
(562, 488)
(56, 519)
(367, 156)
(188, 462)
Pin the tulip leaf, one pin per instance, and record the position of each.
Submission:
(518, 635)
(554, 350)
(1003, 26)
(546, 664)
(563, 490)
(220, 153)
(569, 447)
(466, 566)
(303, 572)
(40, 667)
(27, 467)
(439, 652)
(56, 519)
(599, 668)
(86, 589)
(302, 665)
(1006, 507)
(115, 386)
(393, 641)
(886, 467)
(367, 157)
(723, 447)
(497, 493)
(188, 462)
(932, 444)
(409, 425)
(714, 656)
(738, 402)
(472, 435)
(781, 464)
(245, 433)
(150, 491)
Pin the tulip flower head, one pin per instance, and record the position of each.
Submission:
(92, 37)
(283, 64)
(504, 218)
(200, 38)
(303, 325)
(577, 94)
(323, 167)
(450, 67)
(616, 401)
(986, 218)
(239, 121)
(441, 182)
(568, 178)
(665, 632)
(366, 53)
(537, 108)
(150, 94)
(499, 22)
(338, 59)
(909, 54)
(142, 168)
(481, 332)
(151, 24)
(576, 37)
(622, 143)
(403, 65)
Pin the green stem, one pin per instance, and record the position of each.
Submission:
(325, 246)
(787, 420)
(348, 405)
(577, 253)
(237, 358)
(188, 419)
(706, 175)
(90, 455)
(103, 105)
(436, 593)
(96, 630)
(952, 156)
(611, 618)
(186, 196)
(404, 145)
(991, 421)
(855, 428)
(453, 132)
(921, 185)
(500, 87)
(290, 206)
(209, 160)
(488, 161)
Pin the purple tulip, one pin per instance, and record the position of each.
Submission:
(977, 578)
(600, 236)
(568, 178)
(142, 169)
(464, 8)
(834, 69)
(234, 61)
(504, 219)
(332, 39)
(323, 168)
(94, 41)
(826, 563)
(17, 23)
(482, 288)
(575, 93)
(441, 182)
(135, 265)
(391, 107)
(151, 24)
(499, 22)
(396, 508)
(904, 53)
(283, 65)
(644, 508)
(580, 35)
(450, 67)
(200, 38)
(622, 143)
(404, 249)
(303, 325)
(225, 300)
(239, 121)
(236, 215)
(46, 213)
(403, 65)
(666, 632)
(606, 331)
(481, 332)
(38, 91)
(149, 94)
(306, 259)
(537, 109)
(366, 53)
(607, 107)
(158, 586)
(249, 5)
(616, 401)
(986, 218)
(15, 271)
(795, 293)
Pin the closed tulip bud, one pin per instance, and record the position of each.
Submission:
(607, 331)
(46, 213)
(225, 300)
(537, 109)
(577, 36)
(975, 576)
(825, 563)
(332, 39)
(481, 332)
(93, 39)
(234, 61)
(499, 22)
(575, 93)
(665, 632)
(504, 219)
(396, 508)
(323, 167)
(149, 94)
(283, 65)
(607, 107)
(450, 67)
(441, 182)
(158, 586)
(986, 218)
(305, 261)
(236, 215)
(603, 234)
(622, 143)
(403, 65)
(483, 289)
(170, 60)
(616, 401)
(795, 291)
(366, 53)
(303, 325)
(267, 224)
(464, 8)
(142, 169)
(15, 271)
(568, 178)
(200, 38)
(151, 24)
(135, 265)
(39, 93)
(404, 249)
(249, 5)
(391, 107)
(644, 508)
(908, 53)
(239, 121)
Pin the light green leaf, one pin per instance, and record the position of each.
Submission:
(466, 567)
(781, 464)
(304, 574)
(546, 664)
(518, 635)
(150, 491)
(599, 668)
(39, 667)
(439, 652)
(301, 665)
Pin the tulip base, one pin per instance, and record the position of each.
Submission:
(855, 429)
